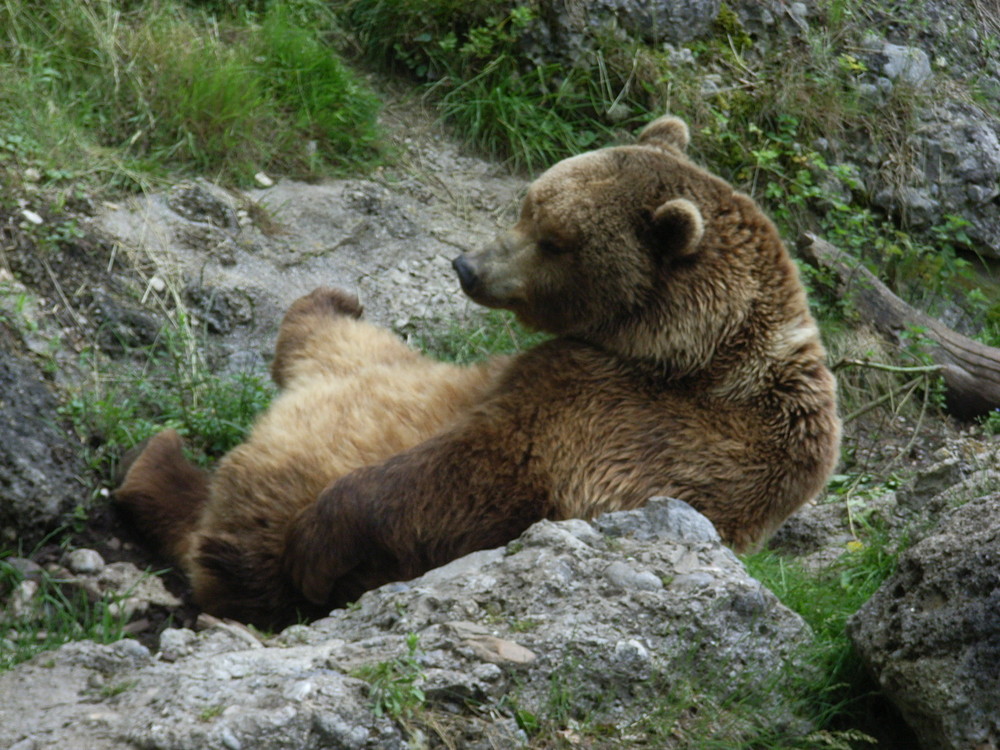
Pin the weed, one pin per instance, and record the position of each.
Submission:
(394, 685)
(525, 625)
(991, 422)
(211, 712)
(117, 688)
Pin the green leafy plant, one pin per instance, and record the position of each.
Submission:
(991, 422)
(395, 685)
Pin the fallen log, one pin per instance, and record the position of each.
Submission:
(971, 370)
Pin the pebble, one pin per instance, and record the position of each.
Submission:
(84, 561)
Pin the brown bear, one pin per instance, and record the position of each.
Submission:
(685, 363)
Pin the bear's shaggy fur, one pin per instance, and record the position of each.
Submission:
(685, 363)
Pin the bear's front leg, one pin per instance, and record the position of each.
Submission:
(325, 542)
(459, 492)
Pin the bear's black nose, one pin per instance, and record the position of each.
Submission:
(466, 275)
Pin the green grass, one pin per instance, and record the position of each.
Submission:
(172, 386)
(56, 614)
(498, 332)
(121, 94)
(839, 695)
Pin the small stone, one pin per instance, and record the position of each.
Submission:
(32, 216)
(176, 643)
(632, 657)
(487, 672)
(85, 561)
(32, 175)
(696, 580)
(127, 608)
(27, 568)
(498, 650)
(263, 180)
(156, 284)
(230, 740)
(299, 691)
(20, 602)
(908, 64)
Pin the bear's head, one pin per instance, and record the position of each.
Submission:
(632, 248)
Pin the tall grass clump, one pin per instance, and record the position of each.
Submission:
(148, 87)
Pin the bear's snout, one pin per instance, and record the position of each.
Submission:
(467, 275)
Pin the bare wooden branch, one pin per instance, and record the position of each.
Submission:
(971, 370)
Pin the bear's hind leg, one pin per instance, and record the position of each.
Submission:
(162, 494)
(322, 335)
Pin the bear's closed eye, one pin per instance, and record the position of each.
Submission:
(550, 247)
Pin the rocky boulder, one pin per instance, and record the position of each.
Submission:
(572, 620)
(40, 464)
(931, 634)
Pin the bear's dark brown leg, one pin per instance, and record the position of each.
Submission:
(163, 493)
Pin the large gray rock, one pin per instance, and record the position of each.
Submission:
(614, 614)
(655, 21)
(957, 172)
(40, 464)
(570, 31)
(931, 633)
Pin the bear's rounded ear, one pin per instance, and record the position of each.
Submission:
(679, 226)
(666, 131)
